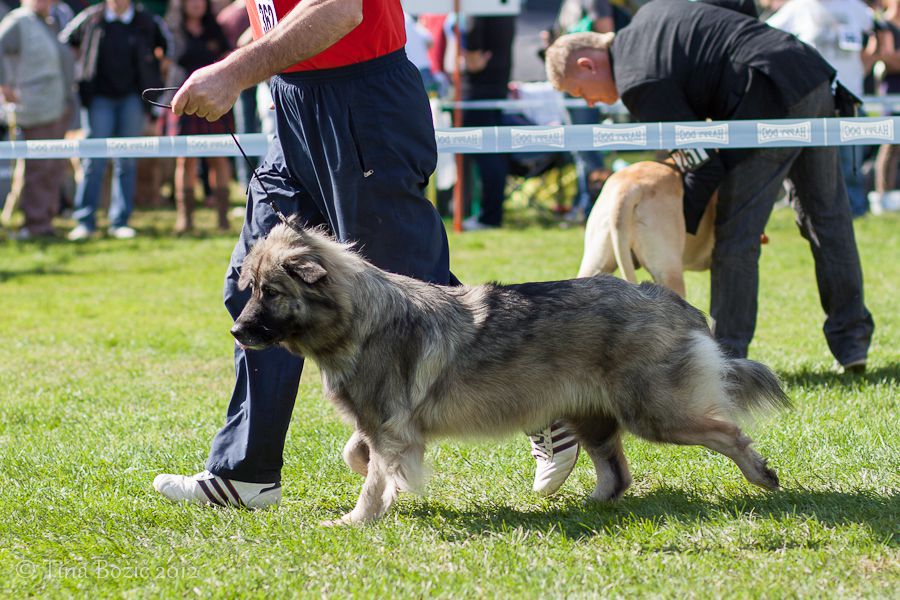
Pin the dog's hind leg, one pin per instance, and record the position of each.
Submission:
(727, 439)
(601, 438)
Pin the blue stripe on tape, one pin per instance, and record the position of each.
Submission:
(474, 140)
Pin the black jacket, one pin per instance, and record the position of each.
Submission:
(692, 61)
(85, 33)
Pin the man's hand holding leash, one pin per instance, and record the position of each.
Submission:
(307, 30)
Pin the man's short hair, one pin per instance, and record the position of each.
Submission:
(559, 53)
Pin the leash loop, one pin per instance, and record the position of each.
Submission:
(268, 199)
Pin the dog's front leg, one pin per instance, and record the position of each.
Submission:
(356, 454)
(378, 493)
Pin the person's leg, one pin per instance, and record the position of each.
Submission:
(130, 118)
(185, 177)
(246, 454)
(99, 118)
(824, 218)
(40, 192)
(493, 169)
(589, 164)
(746, 198)
(249, 447)
(883, 176)
(220, 168)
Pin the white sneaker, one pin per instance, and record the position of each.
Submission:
(874, 199)
(890, 201)
(122, 233)
(473, 224)
(79, 233)
(556, 451)
(206, 488)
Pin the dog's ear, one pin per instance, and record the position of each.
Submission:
(244, 279)
(308, 270)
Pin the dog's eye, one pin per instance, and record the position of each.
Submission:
(269, 291)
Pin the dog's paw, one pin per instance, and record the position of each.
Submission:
(345, 520)
(769, 478)
(762, 475)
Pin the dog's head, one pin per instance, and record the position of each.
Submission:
(296, 299)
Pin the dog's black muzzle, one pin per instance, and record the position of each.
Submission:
(253, 331)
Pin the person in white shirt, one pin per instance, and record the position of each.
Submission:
(838, 30)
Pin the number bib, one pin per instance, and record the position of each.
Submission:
(262, 16)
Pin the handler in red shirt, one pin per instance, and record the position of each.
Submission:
(353, 152)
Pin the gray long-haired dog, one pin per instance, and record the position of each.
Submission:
(407, 362)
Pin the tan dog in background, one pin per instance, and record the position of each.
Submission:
(638, 220)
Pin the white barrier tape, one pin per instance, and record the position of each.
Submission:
(474, 140)
(670, 136)
(137, 147)
(870, 103)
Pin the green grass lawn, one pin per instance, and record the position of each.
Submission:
(117, 366)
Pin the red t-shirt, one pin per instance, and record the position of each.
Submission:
(381, 32)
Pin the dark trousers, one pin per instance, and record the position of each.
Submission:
(353, 152)
(492, 168)
(746, 198)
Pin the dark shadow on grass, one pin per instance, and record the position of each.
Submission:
(34, 271)
(809, 378)
(580, 520)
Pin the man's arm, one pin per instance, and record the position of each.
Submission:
(10, 45)
(311, 27)
(663, 101)
(72, 33)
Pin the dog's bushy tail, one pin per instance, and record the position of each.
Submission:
(753, 387)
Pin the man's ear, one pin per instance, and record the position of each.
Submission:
(585, 63)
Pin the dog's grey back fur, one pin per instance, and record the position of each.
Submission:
(492, 359)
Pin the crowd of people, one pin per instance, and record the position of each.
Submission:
(71, 69)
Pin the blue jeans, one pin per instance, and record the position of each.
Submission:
(586, 161)
(354, 149)
(109, 117)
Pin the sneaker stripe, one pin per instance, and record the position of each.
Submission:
(565, 436)
(208, 493)
(230, 488)
(566, 446)
(220, 491)
(274, 486)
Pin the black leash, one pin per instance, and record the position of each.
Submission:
(268, 200)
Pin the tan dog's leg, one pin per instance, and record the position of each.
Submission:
(659, 235)
(598, 255)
